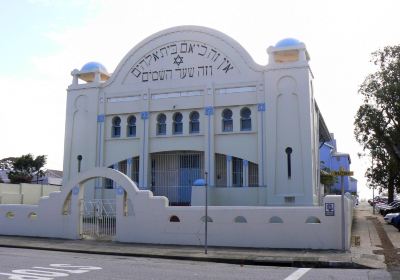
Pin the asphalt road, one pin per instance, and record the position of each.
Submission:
(23, 264)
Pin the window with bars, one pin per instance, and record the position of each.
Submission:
(177, 123)
(220, 170)
(161, 124)
(194, 123)
(253, 174)
(131, 128)
(245, 119)
(227, 122)
(116, 127)
(237, 172)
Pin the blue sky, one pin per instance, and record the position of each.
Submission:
(25, 25)
(44, 40)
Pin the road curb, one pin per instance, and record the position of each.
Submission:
(266, 261)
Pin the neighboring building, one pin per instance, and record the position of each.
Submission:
(332, 160)
(190, 100)
(4, 176)
(51, 177)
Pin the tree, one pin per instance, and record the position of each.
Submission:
(377, 122)
(24, 168)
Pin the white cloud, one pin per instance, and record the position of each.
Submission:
(340, 35)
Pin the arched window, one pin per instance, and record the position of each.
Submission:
(174, 219)
(131, 129)
(194, 124)
(178, 125)
(227, 122)
(245, 119)
(116, 127)
(240, 219)
(161, 124)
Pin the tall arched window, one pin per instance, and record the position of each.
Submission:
(178, 125)
(131, 128)
(194, 124)
(227, 122)
(245, 119)
(116, 127)
(161, 124)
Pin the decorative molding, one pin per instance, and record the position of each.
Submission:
(209, 110)
(101, 118)
(261, 107)
(144, 115)
(75, 190)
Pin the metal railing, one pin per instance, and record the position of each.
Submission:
(99, 219)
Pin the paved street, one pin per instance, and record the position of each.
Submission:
(24, 264)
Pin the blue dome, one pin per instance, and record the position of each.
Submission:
(287, 42)
(93, 67)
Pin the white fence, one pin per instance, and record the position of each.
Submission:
(144, 218)
(24, 193)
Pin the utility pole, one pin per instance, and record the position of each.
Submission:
(206, 216)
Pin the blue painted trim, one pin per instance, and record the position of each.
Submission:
(119, 191)
(199, 183)
(144, 115)
(261, 107)
(209, 110)
(99, 145)
(209, 144)
(229, 158)
(75, 190)
(129, 161)
(245, 162)
(100, 118)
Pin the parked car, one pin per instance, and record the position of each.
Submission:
(389, 217)
(381, 208)
(377, 200)
(391, 210)
(396, 222)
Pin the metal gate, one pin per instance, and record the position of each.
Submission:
(98, 219)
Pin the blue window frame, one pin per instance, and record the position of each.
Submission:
(116, 127)
(131, 128)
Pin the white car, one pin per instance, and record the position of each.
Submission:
(388, 218)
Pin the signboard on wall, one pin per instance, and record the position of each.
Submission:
(181, 60)
(329, 209)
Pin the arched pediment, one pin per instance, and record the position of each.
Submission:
(185, 54)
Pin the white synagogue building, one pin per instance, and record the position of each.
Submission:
(189, 102)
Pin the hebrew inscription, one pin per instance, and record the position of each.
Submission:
(181, 60)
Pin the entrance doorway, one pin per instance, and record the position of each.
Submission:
(98, 219)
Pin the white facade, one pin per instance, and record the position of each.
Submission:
(195, 69)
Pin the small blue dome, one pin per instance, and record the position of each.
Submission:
(287, 42)
(93, 67)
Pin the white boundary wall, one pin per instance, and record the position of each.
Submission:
(143, 218)
(24, 193)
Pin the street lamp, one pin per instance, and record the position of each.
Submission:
(373, 187)
(79, 158)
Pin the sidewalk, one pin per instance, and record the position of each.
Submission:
(371, 252)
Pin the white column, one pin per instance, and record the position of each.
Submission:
(229, 171)
(261, 144)
(144, 155)
(129, 167)
(209, 154)
(245, 173)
